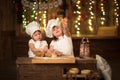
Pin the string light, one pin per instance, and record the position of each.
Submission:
(102, 8)
(78, 17)
(24, 16)
(91, 18)
(31, 13)
(116, 14)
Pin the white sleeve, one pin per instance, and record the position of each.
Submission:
(45, 43)
(31, 41)
(52, 43)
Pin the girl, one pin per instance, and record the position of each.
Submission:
(62, 42)
(37, 46)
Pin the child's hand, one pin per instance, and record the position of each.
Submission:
(58, 53)
(65, 27)
(64, 22)
(40, 54)
(48, 53)
(41, 49)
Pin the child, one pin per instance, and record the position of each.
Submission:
(62, 42)
(37, 46)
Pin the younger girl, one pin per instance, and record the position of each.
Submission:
(62, 42)
(37, 46)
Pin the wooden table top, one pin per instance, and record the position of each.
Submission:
(58, 60)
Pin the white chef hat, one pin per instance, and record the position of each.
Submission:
(50, 25)
(32, 27)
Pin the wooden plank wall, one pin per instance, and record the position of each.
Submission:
(7, 28)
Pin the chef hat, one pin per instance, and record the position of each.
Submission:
(32, 27)
(50, 25)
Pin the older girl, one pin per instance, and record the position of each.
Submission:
(62, 42)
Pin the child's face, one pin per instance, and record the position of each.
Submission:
(37, 36)
(57, 31)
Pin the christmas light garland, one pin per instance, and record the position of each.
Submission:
(34, 10)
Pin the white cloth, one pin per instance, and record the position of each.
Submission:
(50, 25)
(105, 68)
(32, 27)
(63, 44)
(37, 44)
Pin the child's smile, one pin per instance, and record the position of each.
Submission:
(57, 31)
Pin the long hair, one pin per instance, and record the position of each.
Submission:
(55, 38)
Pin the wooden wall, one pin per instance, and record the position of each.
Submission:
(7, 28)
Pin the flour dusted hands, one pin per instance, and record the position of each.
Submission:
(40, 54)
(53, 53)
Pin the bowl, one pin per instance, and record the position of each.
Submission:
(74, 70)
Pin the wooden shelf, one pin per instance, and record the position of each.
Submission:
(78, 75)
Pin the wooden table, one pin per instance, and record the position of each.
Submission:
(50, 68)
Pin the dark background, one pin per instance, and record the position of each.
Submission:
(13, 44)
